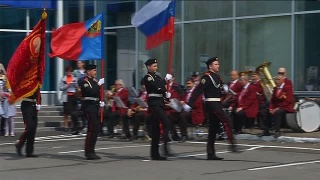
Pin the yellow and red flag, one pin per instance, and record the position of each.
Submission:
(25, 70)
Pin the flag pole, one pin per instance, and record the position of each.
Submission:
(43, 16)
(102, 67)
(102, 91)
(170, 61)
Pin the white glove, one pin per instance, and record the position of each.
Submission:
(168, 77)
(101, 81)
(187, 108)
(38, 107)
(101, 104)
(168, 94)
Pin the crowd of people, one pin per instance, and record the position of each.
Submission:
(161, 105)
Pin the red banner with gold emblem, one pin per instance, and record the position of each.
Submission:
(25, 70)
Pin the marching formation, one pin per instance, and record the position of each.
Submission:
(162, 104)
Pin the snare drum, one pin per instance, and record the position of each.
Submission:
(306, 119)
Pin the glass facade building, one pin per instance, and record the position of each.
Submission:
(243, 34)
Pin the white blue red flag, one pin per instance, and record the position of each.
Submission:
(156, 21)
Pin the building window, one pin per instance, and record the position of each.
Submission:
(205, 40)
(249, 8)
(195, 10)
(307, 52)
(264, 39)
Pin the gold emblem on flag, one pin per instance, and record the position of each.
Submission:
(94, 30)
(35, 44)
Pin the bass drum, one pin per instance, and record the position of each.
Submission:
(306, 119)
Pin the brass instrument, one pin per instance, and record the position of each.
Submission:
(109, 95)
(267, 81)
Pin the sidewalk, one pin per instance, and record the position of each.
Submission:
(287, 135)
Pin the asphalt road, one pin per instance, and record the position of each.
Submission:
(61, 156)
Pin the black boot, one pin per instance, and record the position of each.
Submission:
(234, 148)
(213, 157)
(264, 133)
(18, 149)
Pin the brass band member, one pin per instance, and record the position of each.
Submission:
(210, 85)
(229, 100)
(173, 115)
(281, 103)
(196, 116)
(247, 106)
(139, 114)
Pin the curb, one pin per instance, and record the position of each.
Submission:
(279, 139)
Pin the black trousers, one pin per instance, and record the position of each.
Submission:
(216, 115)
(136, 120)
(181, 119)
(111, 119)
(279, 118)
(75, 115)
(158, 116)
(2, 130)
(30, 119)
(92, 133)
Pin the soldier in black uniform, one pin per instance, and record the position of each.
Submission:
(156, 90)
(90, 90)
(211, 84)
(29, 109)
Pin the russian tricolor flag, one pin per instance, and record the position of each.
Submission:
(156, 21)
(79, 41)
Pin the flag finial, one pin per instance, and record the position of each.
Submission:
(44, 14)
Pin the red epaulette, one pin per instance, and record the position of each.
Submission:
(207, 73)
(85, 79)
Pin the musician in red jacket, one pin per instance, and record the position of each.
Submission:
(196, 116)
(281, 103)
(173, 115)
(139, 114)
(229, 100)
(263, 102)
(247, 105)
(115, 112)
(282, 71)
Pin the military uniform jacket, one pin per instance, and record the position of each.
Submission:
(208, 88)
(155, 85)
(90, 88)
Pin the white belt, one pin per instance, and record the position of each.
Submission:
(212, 99)
(91, 98)
(29, 100)
(155, 95)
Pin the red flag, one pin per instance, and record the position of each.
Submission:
(26, 67)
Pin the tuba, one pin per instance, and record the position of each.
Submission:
(267, 81)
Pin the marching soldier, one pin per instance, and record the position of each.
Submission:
(210, 85)
(29, 108)
(156, 90)
(90, 89)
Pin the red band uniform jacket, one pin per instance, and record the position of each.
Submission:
(248, 101)
(176, 92)
(123, 93)
(197, 112)
(282, 98)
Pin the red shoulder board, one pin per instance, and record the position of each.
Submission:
(207, 73)
(85, 79)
